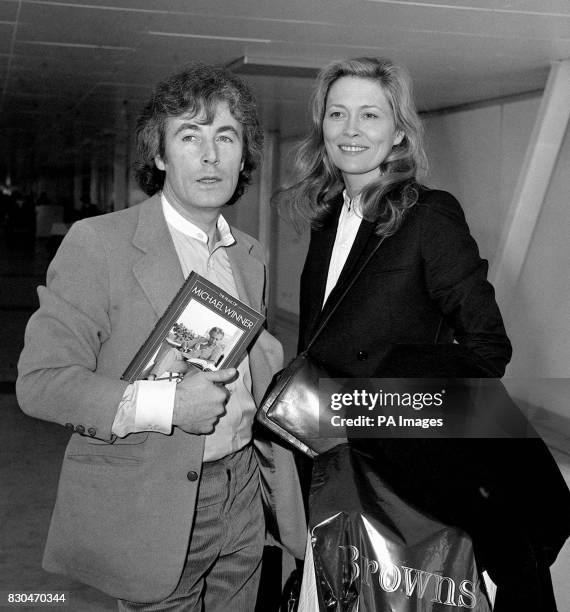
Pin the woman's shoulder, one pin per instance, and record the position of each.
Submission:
(436, 203)
(437, 200)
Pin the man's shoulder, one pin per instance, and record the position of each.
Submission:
(120, 218)
(249, 242)
(114, 226)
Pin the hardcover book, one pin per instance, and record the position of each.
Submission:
(203, 327)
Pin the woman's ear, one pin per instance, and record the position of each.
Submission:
(398, 138)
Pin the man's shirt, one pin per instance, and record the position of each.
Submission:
(149, 405)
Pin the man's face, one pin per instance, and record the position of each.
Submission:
(215, 337)
(202, 162)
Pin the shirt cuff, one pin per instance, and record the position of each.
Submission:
(146, 405)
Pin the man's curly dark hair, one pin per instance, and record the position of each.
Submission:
(196, 89)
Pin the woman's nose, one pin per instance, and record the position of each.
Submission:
(351, 127)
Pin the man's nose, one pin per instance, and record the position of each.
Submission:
(210, 154)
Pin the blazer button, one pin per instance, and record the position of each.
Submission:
(70, 426)
(362, 355)
(80, 429)
(92, 431)
(192, 476)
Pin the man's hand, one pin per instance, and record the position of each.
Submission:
(200, 400)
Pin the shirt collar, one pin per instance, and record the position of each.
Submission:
(352, 206)
(180, 223)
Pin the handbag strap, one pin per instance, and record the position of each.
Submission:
(343, 295)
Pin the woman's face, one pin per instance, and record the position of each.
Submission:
(359, 130)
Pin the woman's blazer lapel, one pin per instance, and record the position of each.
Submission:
(364, 242)
(318, 266)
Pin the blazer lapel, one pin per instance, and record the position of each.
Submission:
(315, 275)
(249, 273)
(364, 241)
(158, 270)
(321, 251)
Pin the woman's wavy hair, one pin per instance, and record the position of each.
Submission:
(196, 89)
(319, 182)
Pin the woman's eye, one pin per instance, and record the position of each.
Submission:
(335, 115)
(225, 139)
(370, 116)
(189, 138)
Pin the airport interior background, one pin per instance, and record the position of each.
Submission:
(492, 82)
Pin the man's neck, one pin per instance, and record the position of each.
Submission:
(206, 219)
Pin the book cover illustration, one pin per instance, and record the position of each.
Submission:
(204, 327)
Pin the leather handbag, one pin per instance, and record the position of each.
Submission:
(291, 406)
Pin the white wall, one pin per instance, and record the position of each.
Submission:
(539, 315)
(477, 154)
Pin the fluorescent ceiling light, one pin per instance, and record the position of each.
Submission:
(209, 37)
(267, 66)
(47, 43)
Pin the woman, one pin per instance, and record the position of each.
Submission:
(424, 288)
(358, 169)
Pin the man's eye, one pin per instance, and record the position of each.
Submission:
(189, 138)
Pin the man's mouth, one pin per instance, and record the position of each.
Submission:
(208, 180)
(352, 148)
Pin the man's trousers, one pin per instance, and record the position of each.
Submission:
(223, 564)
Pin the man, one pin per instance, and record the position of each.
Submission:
(209, 349)
(159, 499)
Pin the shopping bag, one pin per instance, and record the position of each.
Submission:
(372, 551)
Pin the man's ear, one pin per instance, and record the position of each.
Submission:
(159, 162)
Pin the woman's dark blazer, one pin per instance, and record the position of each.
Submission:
(428, 282)
(429, 269)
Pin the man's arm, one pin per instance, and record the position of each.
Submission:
(195, 405)
(58, 378)
(57, 372)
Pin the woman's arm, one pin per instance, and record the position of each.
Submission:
(456, 278)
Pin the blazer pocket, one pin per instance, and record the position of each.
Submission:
(130, 440)
(97, 453)
(106, 460)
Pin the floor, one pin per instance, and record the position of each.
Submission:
(31, 453)
(30, 450)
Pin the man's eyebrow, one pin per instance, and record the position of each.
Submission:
(187, 126)
(228, 128)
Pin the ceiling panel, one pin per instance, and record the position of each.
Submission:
(5, 38)
(75, 25)
(8, 9)
(79, 67)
